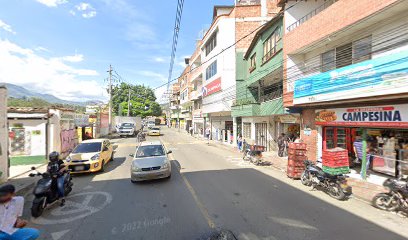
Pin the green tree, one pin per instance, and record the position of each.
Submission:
(142, 100)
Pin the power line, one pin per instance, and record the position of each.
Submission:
(176, 30)
(215, 55)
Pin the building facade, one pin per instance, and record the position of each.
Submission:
(349, 76)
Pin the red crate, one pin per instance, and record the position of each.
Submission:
(296, 152)
(295, 168)
(336, 163)
(295, 163)
(293, 145)
(300, 158)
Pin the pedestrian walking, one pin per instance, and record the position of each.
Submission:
(191, 130)
(12, 227)
(239, 142)
(208, 134)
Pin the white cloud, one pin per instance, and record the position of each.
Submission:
(41, 49)
(74, 58)
(6, 27)
(52, 3)
(46, 74)
(160, 59)
(90, 14)
(85, 9)
(83, 6)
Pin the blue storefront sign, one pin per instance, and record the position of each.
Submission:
(380, 76)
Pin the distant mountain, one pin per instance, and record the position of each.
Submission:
(16, 91)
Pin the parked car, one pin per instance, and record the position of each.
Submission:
(90, 156)
(126, 129)
(154, 131)
(150, 161)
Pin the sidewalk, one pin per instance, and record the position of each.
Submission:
(23, 182)
(363, 190)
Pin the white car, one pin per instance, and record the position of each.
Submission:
(150, 162)
(126, 129)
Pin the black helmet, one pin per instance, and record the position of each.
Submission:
(53, 157)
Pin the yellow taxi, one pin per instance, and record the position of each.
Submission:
(154, 131)
(90, 156)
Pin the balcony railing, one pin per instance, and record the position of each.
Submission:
(311, 14)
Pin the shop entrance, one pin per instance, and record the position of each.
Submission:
(261, 133)
(387, 149)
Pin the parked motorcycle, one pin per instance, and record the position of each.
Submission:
(252, 155)
(334, 185)
(396, 199)
(45, 191)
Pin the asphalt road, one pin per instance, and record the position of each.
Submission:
(210, 188)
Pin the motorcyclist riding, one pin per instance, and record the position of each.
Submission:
(56, 167)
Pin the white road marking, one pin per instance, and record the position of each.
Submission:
(74, 210)
(58, 235)
(88, 187)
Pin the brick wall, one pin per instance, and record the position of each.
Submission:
(308, 116)
(245, 26)
(335, 18)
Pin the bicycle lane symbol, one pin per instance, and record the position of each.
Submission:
(77, 206)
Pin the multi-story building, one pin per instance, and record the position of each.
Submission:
(185, 102)
(196, 81)
(174, 96)
(346, 67)
(218, 73)
(259, 105)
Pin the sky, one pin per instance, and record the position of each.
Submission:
(65, 47)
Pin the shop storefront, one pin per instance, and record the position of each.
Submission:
(222, 128)
(383, 128)
(287, 124)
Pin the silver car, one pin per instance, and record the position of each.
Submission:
(150, 162)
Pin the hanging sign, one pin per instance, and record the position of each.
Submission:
(212, 87)
(376, 116)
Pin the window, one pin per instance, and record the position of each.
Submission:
(328, 61)
(246, 131)
(347, 54)
(253, 63)
(211, 44)
(270, 45)
(344, 55)
(272, 91)
(184, 95)
(362, 50)
(211, 70)
(149, 151)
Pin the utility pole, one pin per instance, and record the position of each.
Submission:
(128, 113)
(110, 98)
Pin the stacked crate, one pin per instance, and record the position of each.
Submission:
(296, 156)
(335, 161)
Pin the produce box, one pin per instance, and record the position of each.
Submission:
(335, 162)
(292, 151)
(299, 158)
(336, 170)
(295, 163)
(293, 145)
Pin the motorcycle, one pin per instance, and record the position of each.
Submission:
(334, 185)
(141, 136)
(45, 191)
(252, 155)
(396, 199)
